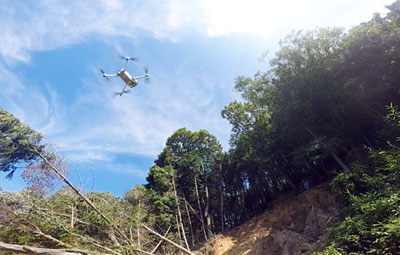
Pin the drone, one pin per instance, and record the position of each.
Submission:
(129, 80)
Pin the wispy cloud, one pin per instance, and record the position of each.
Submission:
(96, 126)
(141, 122)
(46, 25)
(28, 102)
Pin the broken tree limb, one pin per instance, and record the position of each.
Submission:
(159, 243)
(91, 241)
(169, 241)
(24, 249)
(29, 226)
(329, 149)
(72, 186)
(142, 251)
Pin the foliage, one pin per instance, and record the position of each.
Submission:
(312, 114)
(371, 196)
(63, 219)
(184, 178)
(16, 141)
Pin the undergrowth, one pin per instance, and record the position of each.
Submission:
(371, 205)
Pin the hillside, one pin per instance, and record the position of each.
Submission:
(292, 227)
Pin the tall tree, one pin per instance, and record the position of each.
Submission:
(192, 156)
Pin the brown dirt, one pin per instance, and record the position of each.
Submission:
(293, 227)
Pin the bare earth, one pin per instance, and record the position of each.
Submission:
(292, 227)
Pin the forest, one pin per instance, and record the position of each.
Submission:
(325, 109)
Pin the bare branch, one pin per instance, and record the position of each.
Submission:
(169, 241)
(159, 243)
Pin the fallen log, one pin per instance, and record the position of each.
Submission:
(24, 249)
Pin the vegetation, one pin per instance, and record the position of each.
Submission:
(318, 112)
(16, 141)
(371, 199)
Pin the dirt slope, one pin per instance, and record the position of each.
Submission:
(292, 227)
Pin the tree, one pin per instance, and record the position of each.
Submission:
(16, 141)
(188, 160)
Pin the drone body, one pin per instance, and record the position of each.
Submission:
(129, 80)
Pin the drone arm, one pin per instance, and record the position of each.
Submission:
(110, 75)
(123, 90)
(126, 64)
(140, 77)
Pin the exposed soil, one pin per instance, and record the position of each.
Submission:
(292, 227)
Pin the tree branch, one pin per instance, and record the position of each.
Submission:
(169, 241)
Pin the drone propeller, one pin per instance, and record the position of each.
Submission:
(128, 58)
(146, 76)
(104, 74)
(114, 94)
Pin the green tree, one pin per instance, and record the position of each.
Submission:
(16, 141)
(188, 160)
(370, 194)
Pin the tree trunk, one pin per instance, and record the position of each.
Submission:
(331, 152)
(190, 222)
(221, 199)
(180, 215)
(207, 210)
(200, 210)
(23, 249)
(138, 226)
(207, 202)
(72, 215)
(169, 241)
(159, 243)
(179, 229)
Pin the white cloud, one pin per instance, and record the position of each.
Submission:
(46, 24)
(141, 122)
(96, 126)
(274, 18)
(30, 102)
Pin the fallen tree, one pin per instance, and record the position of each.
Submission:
(24, 249)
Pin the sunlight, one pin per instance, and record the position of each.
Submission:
(254, 16)
(263, 18)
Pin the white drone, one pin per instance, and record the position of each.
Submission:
(129, 80)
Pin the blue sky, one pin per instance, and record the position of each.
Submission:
(50, 53)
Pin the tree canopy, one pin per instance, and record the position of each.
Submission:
(16, 143)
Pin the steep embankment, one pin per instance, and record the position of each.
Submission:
(292, 227)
